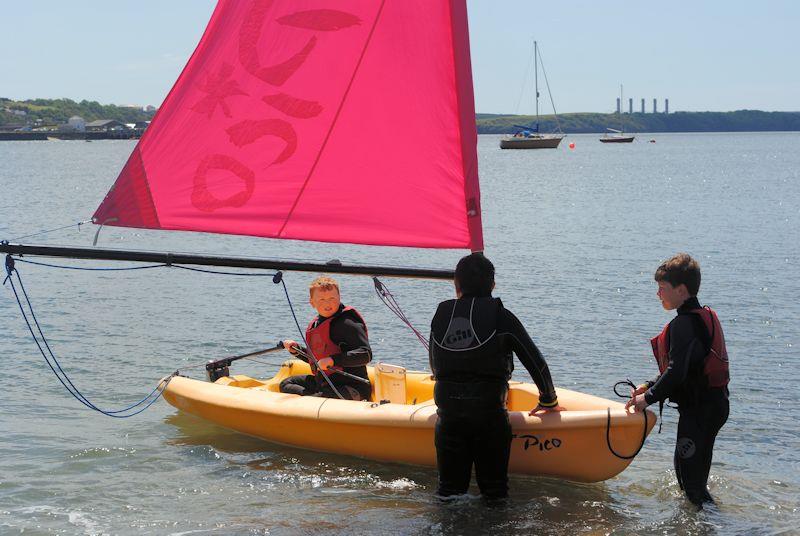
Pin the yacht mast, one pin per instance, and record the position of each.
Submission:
(536, 80)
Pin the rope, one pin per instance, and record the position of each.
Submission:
(219, 272)
(60, 374)
(608, 424)
(87, 269)
(78, 224)
(546, 83)
(389, 301)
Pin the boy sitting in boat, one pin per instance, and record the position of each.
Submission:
(338, 348)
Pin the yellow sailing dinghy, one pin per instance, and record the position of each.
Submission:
(593, 439)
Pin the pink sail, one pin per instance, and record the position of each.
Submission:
(315, 120)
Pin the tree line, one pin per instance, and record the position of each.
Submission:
(577, 123)
(56, 111)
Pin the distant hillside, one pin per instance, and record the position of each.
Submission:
(55, 111)
(738, 121)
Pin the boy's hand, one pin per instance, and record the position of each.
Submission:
(638, 403)
(291, 346)
(325, 363)
(541, 410)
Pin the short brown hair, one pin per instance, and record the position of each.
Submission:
(680, 269)
(323, 282)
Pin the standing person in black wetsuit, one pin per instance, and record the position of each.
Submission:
(693, 373)
(337, 338)
(471, 345)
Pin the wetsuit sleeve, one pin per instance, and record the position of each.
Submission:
(530, 357)
(430, 354)
(351, 336)
(684, 347)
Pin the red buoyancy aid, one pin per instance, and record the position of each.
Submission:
(319, 340)
(715, 365)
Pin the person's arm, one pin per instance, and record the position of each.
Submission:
(683, 344)
(430, 354)
(351, 336)
(530, 357)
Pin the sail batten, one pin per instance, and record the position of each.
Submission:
(315, 120)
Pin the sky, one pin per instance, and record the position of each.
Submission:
(703, 56)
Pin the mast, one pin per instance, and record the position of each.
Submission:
(536, 79)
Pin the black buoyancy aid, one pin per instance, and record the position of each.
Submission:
(471, 368)
(715, 365)
(318, 336)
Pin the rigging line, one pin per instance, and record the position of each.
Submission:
(219, 272)
(524, 82)
(78, 224)
(546, 83)
(389, 300)
(71, 388)
(180, 266)
(291, 308)
(335, 120)
(273, 364)
(65, 267)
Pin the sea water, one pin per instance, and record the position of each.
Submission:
(575, 236)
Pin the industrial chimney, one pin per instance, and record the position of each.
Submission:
(655, 106)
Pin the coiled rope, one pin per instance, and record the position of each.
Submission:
(49, 356)
(55, 366)
(608, 424)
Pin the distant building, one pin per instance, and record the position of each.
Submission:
(77, 123)
(105, 125)
(149, 108)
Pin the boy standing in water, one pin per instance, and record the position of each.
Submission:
(472, 340)
(693, 373)
(337, 339)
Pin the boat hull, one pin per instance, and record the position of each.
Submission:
(539, 142)
(617, 139)
(571, 444)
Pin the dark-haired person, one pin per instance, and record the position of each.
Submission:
(471, 345)
(693, 373)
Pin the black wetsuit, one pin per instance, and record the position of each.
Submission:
(351, 337)
(703, 410)
(471, 345)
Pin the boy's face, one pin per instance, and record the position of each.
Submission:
(325, 301)
(671, 297)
